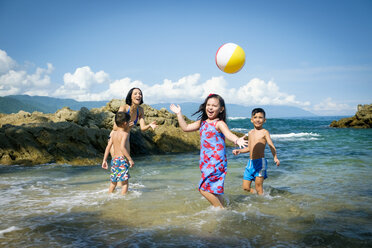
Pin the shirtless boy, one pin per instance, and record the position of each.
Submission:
(257, 163)
(121, 159)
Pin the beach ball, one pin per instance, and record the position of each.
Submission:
(230, 58)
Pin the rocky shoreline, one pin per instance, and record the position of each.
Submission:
(362, 118)
(80, 137)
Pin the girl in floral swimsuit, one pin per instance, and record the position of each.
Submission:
(213, 130)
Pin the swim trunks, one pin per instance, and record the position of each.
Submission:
(119, 170)
(255, 168)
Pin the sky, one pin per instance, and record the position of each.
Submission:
(315, 55)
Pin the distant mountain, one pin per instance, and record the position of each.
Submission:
(235, 110)
(10, 105)
(14, 103)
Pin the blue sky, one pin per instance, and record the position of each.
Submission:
(316, 55)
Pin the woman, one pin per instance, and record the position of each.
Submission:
(137, 115)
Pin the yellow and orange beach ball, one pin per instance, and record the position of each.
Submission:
(230, 58)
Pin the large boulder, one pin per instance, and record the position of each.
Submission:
(80, 137)
(114, 105)
(362, 118)
(53, 142)
(66, 114)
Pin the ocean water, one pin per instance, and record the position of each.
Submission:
(320, 196)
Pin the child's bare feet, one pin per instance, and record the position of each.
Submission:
(253, 191)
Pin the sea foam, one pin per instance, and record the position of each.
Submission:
(240, 130)
(237, 118)
(286, 136)
(296, 136)
(9, 229)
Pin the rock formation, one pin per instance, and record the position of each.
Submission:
(362, 118)
(80, 137)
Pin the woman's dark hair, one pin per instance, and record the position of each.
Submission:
(128, 100)
(202, 113)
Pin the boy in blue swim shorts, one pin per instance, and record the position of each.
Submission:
(121, 159)
(257, 164)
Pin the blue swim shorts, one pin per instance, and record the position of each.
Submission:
(119, 170)
(255, 168)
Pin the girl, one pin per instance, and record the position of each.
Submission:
(213, 130)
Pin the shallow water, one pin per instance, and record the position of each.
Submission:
(320, 196)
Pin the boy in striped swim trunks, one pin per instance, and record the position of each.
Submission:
(120, 155)
(257, 163)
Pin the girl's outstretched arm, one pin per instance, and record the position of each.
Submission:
(221, 125)
(184, 126)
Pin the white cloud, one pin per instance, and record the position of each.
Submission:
(215, 85)
(80, 86)
(6, 62)
(77, 94)
(119, 88)
(185, 89)
(6, 91)
(258, 92)
(84, 78)
(14, 81)
(329, 107)
(255, 92)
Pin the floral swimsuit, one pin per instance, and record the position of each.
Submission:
(213, 161)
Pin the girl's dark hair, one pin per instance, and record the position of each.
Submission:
(202, 115)
(128, 100)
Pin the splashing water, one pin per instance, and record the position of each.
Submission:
(318, 197)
